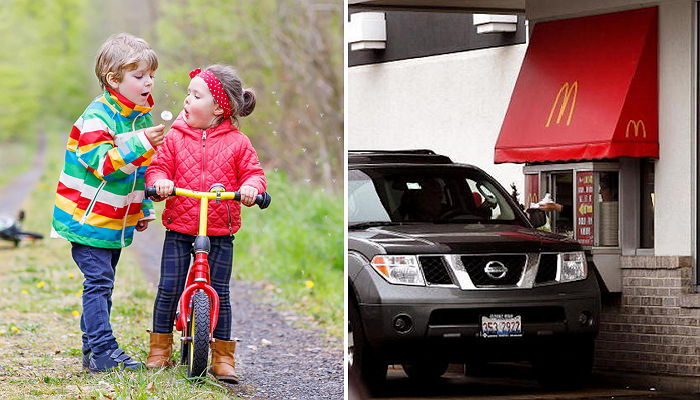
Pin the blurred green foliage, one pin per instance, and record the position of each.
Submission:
(289, 51)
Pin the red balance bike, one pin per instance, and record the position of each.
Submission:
(199, 303)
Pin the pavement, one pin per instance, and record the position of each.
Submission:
(512, 382)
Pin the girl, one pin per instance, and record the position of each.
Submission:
(203, 147)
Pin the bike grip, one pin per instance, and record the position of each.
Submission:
(263, 200)
(150, 191)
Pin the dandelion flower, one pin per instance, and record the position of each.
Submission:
(71, 276)
(25, 291)
(75, 313)
(79, 293)
(309, 284)
(41, 284)
(14, 329)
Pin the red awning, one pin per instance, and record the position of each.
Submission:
(587, 90)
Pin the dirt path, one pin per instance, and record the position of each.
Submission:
(275, 359)
(14, 193)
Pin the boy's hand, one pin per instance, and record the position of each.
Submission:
(248, 194)
(164, 187)
(142, 225)
(155, 134)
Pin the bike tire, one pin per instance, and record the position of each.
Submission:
(198, 347)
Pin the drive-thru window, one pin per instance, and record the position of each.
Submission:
(583, 118)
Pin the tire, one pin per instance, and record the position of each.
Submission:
(365, 362)
(198, 347)
(565, 364)
(426, 370)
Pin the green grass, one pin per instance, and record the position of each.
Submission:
(296, 243)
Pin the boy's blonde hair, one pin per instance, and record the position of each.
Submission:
(121, 53)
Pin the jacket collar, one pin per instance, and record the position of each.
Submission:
(224, 127)
(124, 106)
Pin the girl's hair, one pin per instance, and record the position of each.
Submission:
(242, 100)
(121, 53)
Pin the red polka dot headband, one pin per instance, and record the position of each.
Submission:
(216, 89)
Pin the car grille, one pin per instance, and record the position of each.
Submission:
(435, 270)
(547, 270)
(474, 265)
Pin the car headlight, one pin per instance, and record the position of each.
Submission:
(572, 267)
(401, 270)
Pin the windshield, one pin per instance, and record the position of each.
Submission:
(405, 195)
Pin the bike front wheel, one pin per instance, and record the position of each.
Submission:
(199, 330)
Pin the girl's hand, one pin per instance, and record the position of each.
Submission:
(155, 134)
(248, 194)
(164, 187)
(142, 225)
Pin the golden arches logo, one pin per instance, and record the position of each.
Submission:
(569, 93)
(637, 127)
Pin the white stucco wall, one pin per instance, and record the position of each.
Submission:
(675, 177)
(453, 104)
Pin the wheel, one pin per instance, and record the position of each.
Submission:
(426, 370)
(198, 347)
(565, 364)
(364, 360)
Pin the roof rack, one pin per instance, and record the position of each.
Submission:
(417, 156)
(410, 151)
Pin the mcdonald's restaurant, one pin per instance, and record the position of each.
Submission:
(593, 102)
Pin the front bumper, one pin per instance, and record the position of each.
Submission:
(446, 322)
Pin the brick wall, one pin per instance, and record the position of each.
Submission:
(653, 327)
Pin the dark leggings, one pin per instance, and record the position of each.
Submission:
(174, 265)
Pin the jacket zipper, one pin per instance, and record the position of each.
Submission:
(128, 206)
(204, 159)
(133, 186)
(88, 210)
(204, 162)
(228, 211)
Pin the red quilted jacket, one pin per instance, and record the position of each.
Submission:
(195, 159)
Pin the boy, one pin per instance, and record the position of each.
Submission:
(99, 199)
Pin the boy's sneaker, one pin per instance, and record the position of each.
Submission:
(86, 359)
(113, 359)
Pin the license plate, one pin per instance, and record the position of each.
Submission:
(501, 325)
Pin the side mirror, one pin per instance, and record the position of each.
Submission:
(537, 217)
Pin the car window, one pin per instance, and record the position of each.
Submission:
(437, 195)
(363, 201)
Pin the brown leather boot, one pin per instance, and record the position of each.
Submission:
(222, 362)
(160, 350)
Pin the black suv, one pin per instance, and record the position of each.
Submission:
(445, 267)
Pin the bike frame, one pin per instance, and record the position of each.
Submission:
(198, 277)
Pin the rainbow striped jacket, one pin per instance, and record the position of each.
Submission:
(99, 199)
